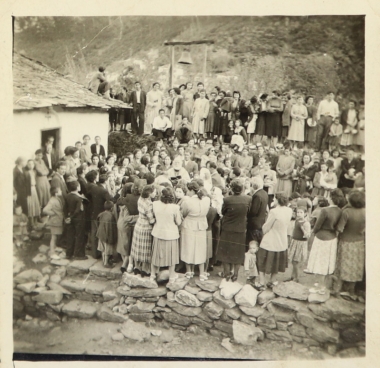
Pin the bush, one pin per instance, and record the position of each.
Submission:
(123, 142)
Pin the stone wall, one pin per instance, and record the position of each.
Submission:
(85, 289)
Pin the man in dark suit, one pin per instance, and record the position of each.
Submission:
(53, 152)
(138, 102)
(98, 148)
(257, 213)
(58, 180)
(190, 166)
(97, 195)
(49, 158)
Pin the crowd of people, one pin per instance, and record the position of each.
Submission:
(262, 183)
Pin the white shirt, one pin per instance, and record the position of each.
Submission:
(161, 124)
(48, 155)
(328, 108)
(97, 148)
(138, 93)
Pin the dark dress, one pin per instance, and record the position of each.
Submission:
(311, 132)
(20, 185)
(234, 225)
(75, 230)
(124, 241)
(305, 175)
(210, 121)
(273, 123)
(257, 216)
(346, 166)
(261, 121)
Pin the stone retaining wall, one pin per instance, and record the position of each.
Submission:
(85, 289)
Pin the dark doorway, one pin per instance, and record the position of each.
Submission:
(56, 134)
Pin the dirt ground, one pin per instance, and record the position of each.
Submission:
(93, 337)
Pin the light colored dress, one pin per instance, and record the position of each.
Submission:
(200, 111)
(42, 182)
(154, 101)
(165, 249)
(194, 230)
(297, 127)
(284, 183)
(188, 103)
(34, 208)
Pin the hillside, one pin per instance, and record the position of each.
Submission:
(310, 54)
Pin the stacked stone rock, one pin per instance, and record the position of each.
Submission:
(85, 289)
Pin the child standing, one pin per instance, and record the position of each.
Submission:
(20, 223)
(106, 233)
(298, 245)
(250, 265)
(335, 134)
(54, 209)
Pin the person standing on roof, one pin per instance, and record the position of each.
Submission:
(98, 77)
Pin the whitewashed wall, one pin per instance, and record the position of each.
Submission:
(27, 126)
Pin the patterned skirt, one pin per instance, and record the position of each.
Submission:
(298, 251)
(322, 257)
(165, 252)
(142, 242)
(350, 260)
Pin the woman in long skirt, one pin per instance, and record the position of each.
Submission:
(141, 251)
(297, 126)
(126, 223)
(261, 118)
(188, 101)
(42, 182)
(272, 256)
(154, 99)
(284, 168)
(351, 246)
(193, 230)
(34, 207)
(165, 234)
(322, 257)
(231, 248)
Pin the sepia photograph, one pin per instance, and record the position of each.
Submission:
(189, 187)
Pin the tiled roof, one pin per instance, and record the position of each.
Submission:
(35, 85)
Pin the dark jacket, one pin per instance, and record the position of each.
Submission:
(235, 209)
(102, 151)
(54, 161)
(106, 228)
(178, 106)
(344, 115)
(257, 213)
(133, 100)
(20, 185)
(97, 195)
(74, 206)
(59, 182)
